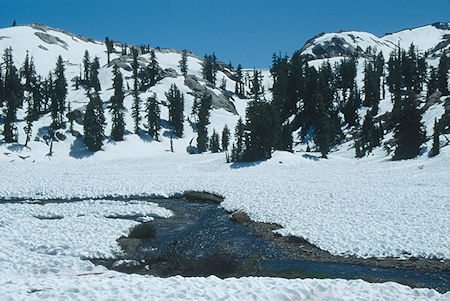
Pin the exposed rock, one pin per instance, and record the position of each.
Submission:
(49, 39)
(169, 72)
(76, 134)
(129, 245)
(125, 263)
(196, 196)
(240, 218)
(42, 47)
(198, 87)
(77, 115)
(60, 136)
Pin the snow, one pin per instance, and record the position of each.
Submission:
(335, 204)
(115, 286)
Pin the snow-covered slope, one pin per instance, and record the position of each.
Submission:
(434, 38)
(45, 44)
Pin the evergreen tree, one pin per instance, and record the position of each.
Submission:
(239, 146)
(109, 47)
(239, 88)
(256, 88)
(369, 137)
(29, 118)
(203, 121)
(60, 93)
(195, 108)
(153, 117)
(285, 138)
(409, 133)
(135, 110)
(436, 146)
(214, 143)
(94, 123)
(93, 75)
(153, 68)
(225, 138)
(351, 106)
(176, 109)
(37, 98)
(210, 68)
(263, 131)
(183, 62)
(443, 74)
(28, 72)
(12, 95)
(117, 108)
(86, 65)
(432, 84)
(371, 88)
(322, 131)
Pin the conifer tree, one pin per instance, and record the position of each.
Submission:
(409, 133)
(116, 108)
(12, 95)
(432, 84)
(436, 146)
(350, 107)
(176, 109)
(210, 68)
(153, 117)
(443, 74)
(153, 68)
(195, 108)
(93, 75)
(239, 145)
(214, 143)
(60, 93)
(37, 97)
(183, 62)
(28, 72)
(203, 121)
(86, 65)
(322, 131)
(239, 88)
(135, 110)
(371, 88)
(94, 123)
(262, 131)
(29, 118)
(109, 48)
(225, 138)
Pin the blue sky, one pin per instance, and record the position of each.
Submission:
(245, 31)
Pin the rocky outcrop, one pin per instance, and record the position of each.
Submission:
(199, 86)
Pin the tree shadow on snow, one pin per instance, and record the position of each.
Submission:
(16, 147)
(79, 150)
(236, 165)
(312, 157)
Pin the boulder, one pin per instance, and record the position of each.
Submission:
(77, 115)
(60, 136)
(219, 99)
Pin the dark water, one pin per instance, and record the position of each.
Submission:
(200, 229)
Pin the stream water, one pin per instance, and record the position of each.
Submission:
(200, 229)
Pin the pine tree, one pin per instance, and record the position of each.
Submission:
(203, 121)
(225, 138)
(210, 68)
(60, 93)
(93, 75)
(12, 95)
(94, 123)
(37, 92)
(239, 145)
(116, 108)
(239, 88)
(86, 65)
(183, 62)
(409, 133)
(432, 84)
(263, 131)
(176, 109)
(195, 108)
(436, 143)
(285, 143)
(28, 72)
(214, 143)
(153, 117)
(109, 47)
(371, 88)
(29, 118)
(135, 110)
(322, 131)
(443, 74)
(153, 68)
(351, 106)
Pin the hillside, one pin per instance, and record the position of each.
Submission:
(433, 39)
(370, 208)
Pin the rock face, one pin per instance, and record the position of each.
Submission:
(49, 39)
(198, 87)
(77, 115)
